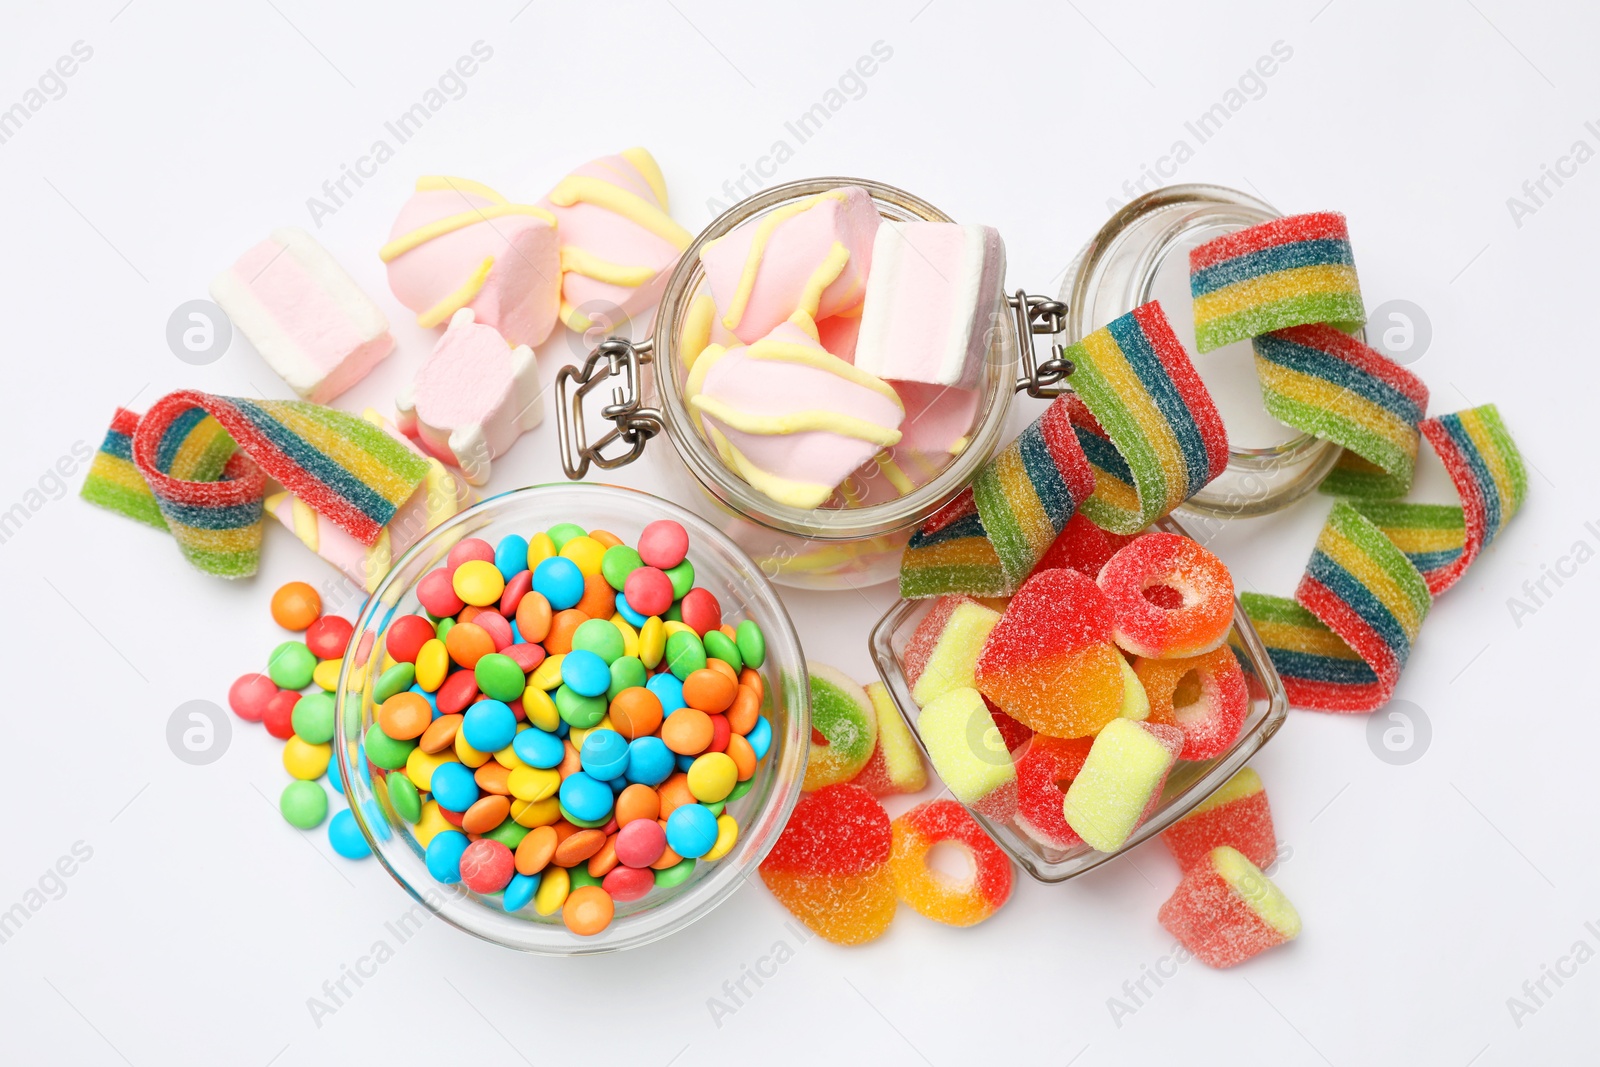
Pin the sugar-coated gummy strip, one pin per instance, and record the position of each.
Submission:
(204, 461)
(1140, 437)
(1341, 643)
(1288, 272)
(1325, 382)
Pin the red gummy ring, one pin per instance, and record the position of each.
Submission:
(1214, 718)
(1159, 625)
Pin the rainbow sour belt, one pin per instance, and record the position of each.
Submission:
(197, 464)
(1140, 437)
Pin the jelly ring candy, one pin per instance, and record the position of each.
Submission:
(1204, 696)
(1237, 815)
(1144, 627)
(1046, 768)
(844, 728)
(830, 866)
(937, 895)
(1049, 662)
(1225, 910)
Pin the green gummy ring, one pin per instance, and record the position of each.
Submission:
(677, 874)
(396, 679)
(384, 751)
(752, 643)
(720, 646)
(403, 795)
(498, 675)
(618, 562)
(304, 804)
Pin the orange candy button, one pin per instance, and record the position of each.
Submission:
(533, 617)
(743, 756)
(558, 642)
(440, 733)
(405, 716)
(638, 801)
(635, 712)
(493, 777)
(485, 815)
(674, 794)
(709, 690)
(745, 710)
(588, 910)
(599, 599)
(751, 678)
(602, 862)
(296, 606)
(687, 731)
(536, 850)
(467, 643)
(579, 847)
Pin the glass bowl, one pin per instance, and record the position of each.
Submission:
(1190, 782)
(744, 593)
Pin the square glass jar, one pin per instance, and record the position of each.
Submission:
(1190, 782)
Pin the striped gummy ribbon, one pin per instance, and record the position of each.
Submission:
(1341, 643)
(1139, 436)
(197, 464)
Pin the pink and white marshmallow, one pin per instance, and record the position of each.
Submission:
(472, 397)
(459, 244)
(307, 317)
(927, 314)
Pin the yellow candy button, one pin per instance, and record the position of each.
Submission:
(540, 548)
(420, 766)
(576, 735)
(712, 777)
(586, 552)
(547, 675)
(433, 663)
(552, 891)
(652, 642)
(431, 823)
(533, 783)
(727, 837)
(630, 636)
(478, 582)
(541, 709)
(469, 755)
(326, 675)
(671, 627)
(532, 813)
(305, 760)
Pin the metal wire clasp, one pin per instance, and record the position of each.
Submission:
(634, 424)
(1041, 315)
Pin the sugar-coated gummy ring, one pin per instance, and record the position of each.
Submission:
(1144, 627)
(936, 895)
(1044, 770)
(1214, 705)
(844, 728)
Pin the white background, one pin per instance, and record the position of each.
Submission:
(202, 923)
